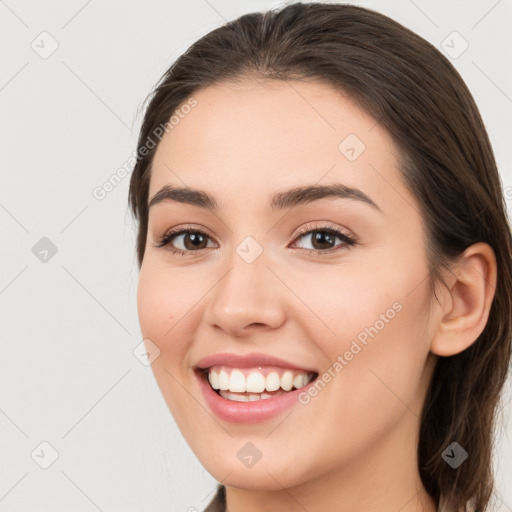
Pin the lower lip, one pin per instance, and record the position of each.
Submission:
(247, 412)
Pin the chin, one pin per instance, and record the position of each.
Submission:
(263, 476)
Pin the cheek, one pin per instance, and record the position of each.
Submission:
(162, 300)
(383, 362)
(372, 331)
(152, 305)
(162, 309)
(341, 301)
(163, 314)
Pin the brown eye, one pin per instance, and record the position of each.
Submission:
(189, 240)
(323, 239)
(194, 240)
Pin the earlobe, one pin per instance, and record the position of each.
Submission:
(467, 306)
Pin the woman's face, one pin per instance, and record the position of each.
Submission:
(262, 277)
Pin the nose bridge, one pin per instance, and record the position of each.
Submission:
(248, 291)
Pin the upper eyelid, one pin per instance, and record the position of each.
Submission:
(302, 231)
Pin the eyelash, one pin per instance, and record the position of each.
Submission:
(348, 241)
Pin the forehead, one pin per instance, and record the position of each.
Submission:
(255, 137)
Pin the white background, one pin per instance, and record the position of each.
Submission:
(69, 326)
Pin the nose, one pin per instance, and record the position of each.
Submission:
(248, 296)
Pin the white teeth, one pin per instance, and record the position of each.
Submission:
(213, 377)
(273, 382)
(237, 397)
(237, 382)
(256, 382)
(224, 380)
(299, 381)
(287, 380)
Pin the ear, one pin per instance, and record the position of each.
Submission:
(467, 301)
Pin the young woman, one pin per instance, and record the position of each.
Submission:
(325, 265)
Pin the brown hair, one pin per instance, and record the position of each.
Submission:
(447, 163)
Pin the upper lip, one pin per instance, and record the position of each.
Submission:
(251, 360)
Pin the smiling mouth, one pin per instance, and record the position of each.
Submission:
(248, 385)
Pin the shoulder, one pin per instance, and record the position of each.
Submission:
(218, 502)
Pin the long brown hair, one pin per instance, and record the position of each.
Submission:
(447, 163)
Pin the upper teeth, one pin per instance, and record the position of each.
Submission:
(256, 382)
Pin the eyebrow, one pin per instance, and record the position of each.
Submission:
(280, 200)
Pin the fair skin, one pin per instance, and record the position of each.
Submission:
(352, 448)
